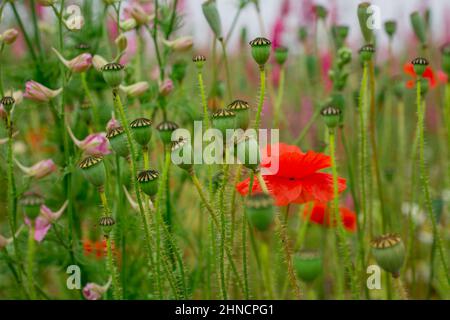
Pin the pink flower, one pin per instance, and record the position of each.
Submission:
(78, 64)
(38, 92)
(166, 87)
(93, 291)
(136, 89)
(112, 123)
(38, 170)
(277, 32)
(93, 144)
(44, 221)
(181, 44)
(139, 13)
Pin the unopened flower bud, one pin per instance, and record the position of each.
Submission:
(99, 62)
(38, 92)
(260, 211)
(181, 44)
(142, 130)
(121, 42)
(128, 24)
(166, 87)
(9, 36)
(363, 17)
(135, 90)
(419, 27)
(260, 50)
(389, 252)
(211, 14)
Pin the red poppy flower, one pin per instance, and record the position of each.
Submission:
(97, 247)
(297, 179)
(320, 214)
(408, 68)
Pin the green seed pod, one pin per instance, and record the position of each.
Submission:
(142, 130)
(445, 50)
(94, 170)
(242, 111)
(106, 223)
(308, 265)
(118, 141)
(260, 211)
(331, 116)
(321, 12)
(339, 33)
(148, 180)
(419, 27)
(223, 120)
(113, 74)
(366, 52)
(247, 151)
(31, 203)
(8, 103)
(281, 54)
(85, 112)
(363, 17)
(199, 61)
(303, 33)
(420, 64)
(182, 149)
(165, 130)
(211, 14)
(390, 27)
(261, 50)
(389, 253)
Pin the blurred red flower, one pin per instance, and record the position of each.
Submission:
(297, 179)
(98, 248)
(320, 214)
(408, 68)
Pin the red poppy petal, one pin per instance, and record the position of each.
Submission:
(429, 74)
(408, 68)
(410, 84)
(319, 187)
(349, 219)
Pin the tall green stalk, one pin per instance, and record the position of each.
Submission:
(279, 99)
(262, 93)
(30, 260)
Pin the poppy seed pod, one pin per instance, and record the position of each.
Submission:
(199, 61)
(390, 27)
(331, 116)
(281, 54)
(118, 141)
(308, 265)
(106, 223)
(261, 50)
(420, 64)
(366, 52)
(223, 120)
(182, 149)
(211, 14)
(142, 130)
(363, 17)
(321, 12)
(94, 170)
(260, 211)
(418, 24)
(247, 151)
(445, 50)
(242, 111)
(113, 74)
(148, 180)
(165, 129)
(31, 203)
(8, 103)
(389, 252)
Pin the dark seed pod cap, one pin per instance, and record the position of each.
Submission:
(165, 130)
(281, 54)
(182, 154)
(331, 116)
(93, 170)
(242, 110)
(366, 52)
(260, 211)
(224, 119)
(261, 50)
(118, 141)
(31, 203)
(389, 252)
(8, 103)
(199, 61)
(106, 223)
(420, 64)
(113, 74)
(308, 265)
(142, 130)
(148, 180)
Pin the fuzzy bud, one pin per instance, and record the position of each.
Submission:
(363, 18)
(419, 27)
(211, 14)
(9, 36)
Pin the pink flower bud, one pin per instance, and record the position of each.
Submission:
(9, 36)
(166, 87)
(38, 92)
(137, 12)
(112, 123)
(181, 44)
(44, 221)
(78, 64)
(93, 291)
(93, 144)
(39, 170)
(135, 89)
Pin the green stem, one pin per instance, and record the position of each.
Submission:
(262, 92)
(223, 227)
(244, 237)
(279, 100)
(30, 261)
(36, 28)
(88, 94)
(227, 69)
(25, 34)
(123, 225)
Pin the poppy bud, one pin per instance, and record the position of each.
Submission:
(148, 180)
(121, 42)
(363, 17)
(242, 111)
(419, 28)
(223, 120)
(9, 36)
(308, 265)
(303, 33)
(366, 52)
(93, 170)
(128, 24)
(389, 252)
(331, 116)
(261, 50)
(199, 61)
(142, 130)
(99, 62)
(446, 58)
(260, 211)
(281, 54)
(118, 141)
(420, 64)
(165, 130)
(181, 44)
(321, 12)
(113, 74)
(247, 151)
(211, 14)
(390, 27)
(106, 223)
(181, 149)
(8, 103)
(135, 90)
(31, 203)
